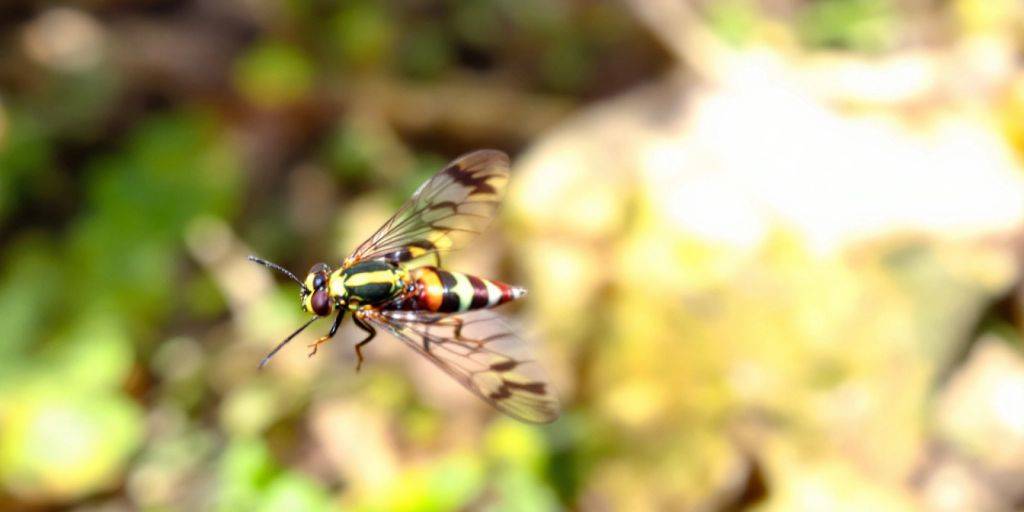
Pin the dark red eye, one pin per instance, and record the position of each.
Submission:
(318, 281)
(321, 303)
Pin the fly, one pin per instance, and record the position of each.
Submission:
(394, 281)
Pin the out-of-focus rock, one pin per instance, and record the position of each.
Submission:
(64, 39)
(985, 401)
(981, 415)
(744, 245)
(953, 486)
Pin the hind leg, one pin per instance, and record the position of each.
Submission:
(357, 317)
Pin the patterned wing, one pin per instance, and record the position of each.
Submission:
(483, 354)
(447, 210)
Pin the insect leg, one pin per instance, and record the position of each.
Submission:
(457, 333)
(334, 330)
(358, 318)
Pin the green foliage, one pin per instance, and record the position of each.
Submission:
(425, 51)
(362, 34)
(566, 63)
(293, 491)
(95, 353)
(350, 150)
(25, 302)
(733, 20)
(478, 23)
(25, 154)
(123, 248)
(251, 480)
(64, 441)
(75, 306)
(861, 25)
(246, 470)
(447, 484)
(519, 455)
(273, 74)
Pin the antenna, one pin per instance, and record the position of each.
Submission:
(286, 340)
(279, 268)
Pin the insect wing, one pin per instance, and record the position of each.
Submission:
(450, 208)
(483, 354)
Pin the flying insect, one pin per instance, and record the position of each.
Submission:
(394, 281)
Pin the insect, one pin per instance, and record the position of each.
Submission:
(393, 281)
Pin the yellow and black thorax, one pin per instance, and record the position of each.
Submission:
(367, 283)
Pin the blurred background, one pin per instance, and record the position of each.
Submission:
(773, 250)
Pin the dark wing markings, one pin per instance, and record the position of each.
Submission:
(480, 352)
(445, 211)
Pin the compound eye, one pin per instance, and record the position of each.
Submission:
(321, 303)
(318, 281)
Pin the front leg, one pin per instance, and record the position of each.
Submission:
(358, 318)
(334, 330)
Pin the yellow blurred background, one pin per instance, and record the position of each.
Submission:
(772, 250)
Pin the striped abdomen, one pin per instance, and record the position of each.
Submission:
(451, 292)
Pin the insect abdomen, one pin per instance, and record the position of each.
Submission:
(451, 292)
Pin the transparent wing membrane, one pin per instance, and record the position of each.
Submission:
(446, 211)
(482, 353)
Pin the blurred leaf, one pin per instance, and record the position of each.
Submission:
(538, 16)
(522, 490)
(516, 444)
(65, 442)
(174, 169)
(95, 354)
(251, 480)
(246, 469)
(175, 454)
(178, 363)
(77, 103)
(566, 63)
(250, 409)
(578, 444)
(478, 23)
(25, 149)
(26, 303)
(351, 150)
(292, 491)
(862, 25)
(203, 299)
(273, 74)
(363, 33)
(425, 51)
(520, 453)
(421, 425)
(733, 20)
(447, 484)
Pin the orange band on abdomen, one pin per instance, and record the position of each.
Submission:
(431, 290)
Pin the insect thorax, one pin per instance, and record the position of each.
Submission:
(371, 282)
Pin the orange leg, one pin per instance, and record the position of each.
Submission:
(334, 329)
(316, 345)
